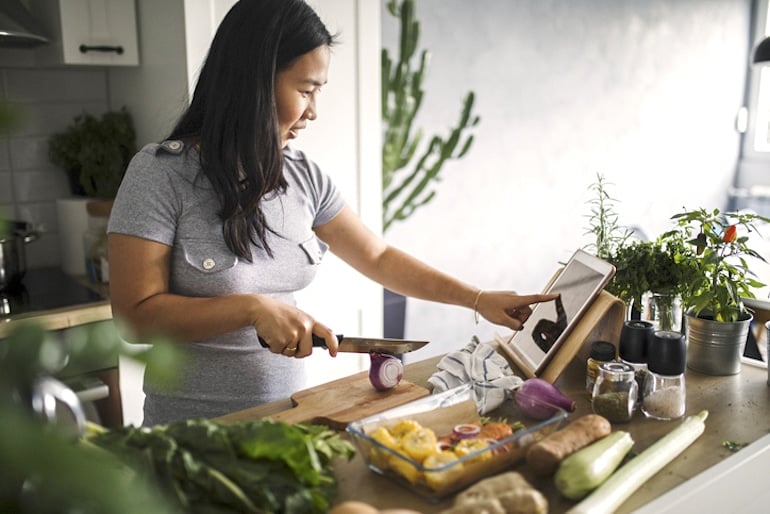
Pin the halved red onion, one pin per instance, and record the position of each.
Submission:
(466, 431)
(385, 372)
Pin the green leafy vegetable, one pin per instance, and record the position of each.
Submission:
(251, 466)
(733, 446)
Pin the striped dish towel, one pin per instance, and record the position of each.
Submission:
(480, 364)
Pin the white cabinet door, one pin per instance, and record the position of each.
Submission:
(99, 32)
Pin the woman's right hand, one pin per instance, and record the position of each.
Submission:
(289, 331)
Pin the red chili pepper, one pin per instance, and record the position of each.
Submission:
(731, 234)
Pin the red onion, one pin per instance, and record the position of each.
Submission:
(466, 431)
(385, 371)
(537, 397)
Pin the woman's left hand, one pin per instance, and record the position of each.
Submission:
(508, 308)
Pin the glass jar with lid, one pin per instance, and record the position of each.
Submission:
(615, 392)
(601, 351)
(664, 388)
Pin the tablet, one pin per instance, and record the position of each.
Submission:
(578, 283)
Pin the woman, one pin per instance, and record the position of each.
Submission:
(214, 229)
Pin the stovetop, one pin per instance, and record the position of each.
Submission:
(45, 289)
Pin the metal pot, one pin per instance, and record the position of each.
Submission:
(13, 263)
(716, 347)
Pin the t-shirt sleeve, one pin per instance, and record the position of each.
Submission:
(146, 205)
(328, 199)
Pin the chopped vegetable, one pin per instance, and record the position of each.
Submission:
(416, 454)
(631, 476)
(587, 468)
(544, 456)
(386, 371)
(539, 399)
(733, 446)
(252, 466)
(419, 443)
(466, 431)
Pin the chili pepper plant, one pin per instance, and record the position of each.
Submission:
(722, 257)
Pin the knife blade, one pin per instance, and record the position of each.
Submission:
(368, 344)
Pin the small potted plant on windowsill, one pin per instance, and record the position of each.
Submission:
(717, 319)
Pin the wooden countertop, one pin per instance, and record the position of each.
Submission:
(65, 317)
(739, 411)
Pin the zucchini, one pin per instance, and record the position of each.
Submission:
(587, 468)
(622, 484)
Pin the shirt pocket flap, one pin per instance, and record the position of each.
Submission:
(314, 249)
(207, 256)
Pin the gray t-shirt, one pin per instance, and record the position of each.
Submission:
(165, 197)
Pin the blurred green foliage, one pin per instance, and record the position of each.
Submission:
(43, 470)
(407, 168)
(95, 151)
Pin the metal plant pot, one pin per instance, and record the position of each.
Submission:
(716, 347)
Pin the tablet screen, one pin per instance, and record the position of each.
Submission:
(579, 283)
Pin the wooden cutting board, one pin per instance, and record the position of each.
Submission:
(345, 400)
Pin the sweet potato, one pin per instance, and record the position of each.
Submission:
(544, 456)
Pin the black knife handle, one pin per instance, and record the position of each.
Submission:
(317, 341)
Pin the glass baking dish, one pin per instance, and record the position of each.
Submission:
(438, 471)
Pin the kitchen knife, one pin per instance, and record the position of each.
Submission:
(367, 344)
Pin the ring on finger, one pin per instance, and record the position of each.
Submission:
(292, 350)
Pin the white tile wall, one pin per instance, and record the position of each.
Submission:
(47, 101)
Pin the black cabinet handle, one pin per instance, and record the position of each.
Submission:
(101, 48)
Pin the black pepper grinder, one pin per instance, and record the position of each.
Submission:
(634, 340)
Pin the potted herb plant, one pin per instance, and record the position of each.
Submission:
(95, 152)
(652, 276)
(717, 319)
(659, 270)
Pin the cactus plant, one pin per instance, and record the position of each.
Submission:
(407, 169)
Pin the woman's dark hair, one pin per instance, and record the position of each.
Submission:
(233, 117)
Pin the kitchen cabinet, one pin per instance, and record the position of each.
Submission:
(89, 32)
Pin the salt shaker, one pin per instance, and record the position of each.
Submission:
(664, 387)
(615, 392)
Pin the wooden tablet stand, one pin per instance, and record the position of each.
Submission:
(603, 321)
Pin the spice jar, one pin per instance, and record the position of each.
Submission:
(615, 392)
(634, 341)
(664, 388)
(601, 351)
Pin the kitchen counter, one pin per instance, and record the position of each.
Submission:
(739, 411)
(58, 301)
